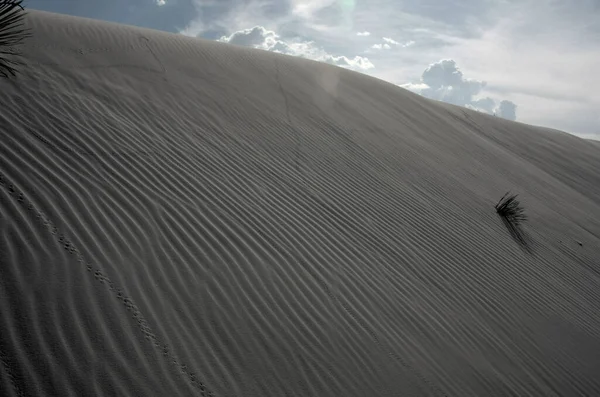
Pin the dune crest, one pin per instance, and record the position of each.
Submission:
(186, 217)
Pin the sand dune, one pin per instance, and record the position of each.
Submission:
(185, 217)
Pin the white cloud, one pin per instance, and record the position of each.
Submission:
(257, 37)
(365, 33)
(161, 2)
(445, 82)
(539, 54)
(307, 8)
(381, 46)
(262, 38)
(507, 110)
(389, 43)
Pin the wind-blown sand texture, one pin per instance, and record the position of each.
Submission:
(185, 217)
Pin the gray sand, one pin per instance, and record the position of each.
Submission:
(186, 217)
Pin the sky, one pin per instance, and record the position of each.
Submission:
(534, 61)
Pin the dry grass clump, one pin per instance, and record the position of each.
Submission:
(12, 34)
(513, 215)
(510, 209)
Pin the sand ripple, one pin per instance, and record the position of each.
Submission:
(182, 217)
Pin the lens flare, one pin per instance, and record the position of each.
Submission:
(347, 7)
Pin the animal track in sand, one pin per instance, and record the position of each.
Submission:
(68, 245)
(9, 373)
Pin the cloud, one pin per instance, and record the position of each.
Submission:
(515, 51)
(262, 38)
(224, 16)
(257, 37)
(308, 8)
(161, 2)
(507, 110)
(381, 46)
(365, 33)
(445, 82)
(389, 43)
(487, 105)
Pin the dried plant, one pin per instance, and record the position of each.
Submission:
(509, 208)
(513, 215)
(12, 34)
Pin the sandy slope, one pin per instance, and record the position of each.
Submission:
(183, 217)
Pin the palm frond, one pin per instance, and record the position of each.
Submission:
(12, 34)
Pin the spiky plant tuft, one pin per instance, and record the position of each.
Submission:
(12, 34)
(513, 215)
(510, 209)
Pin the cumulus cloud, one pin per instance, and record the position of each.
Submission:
(363, 33)
(262, 38)
(445, 82)
(257, 37)
(508, 110)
